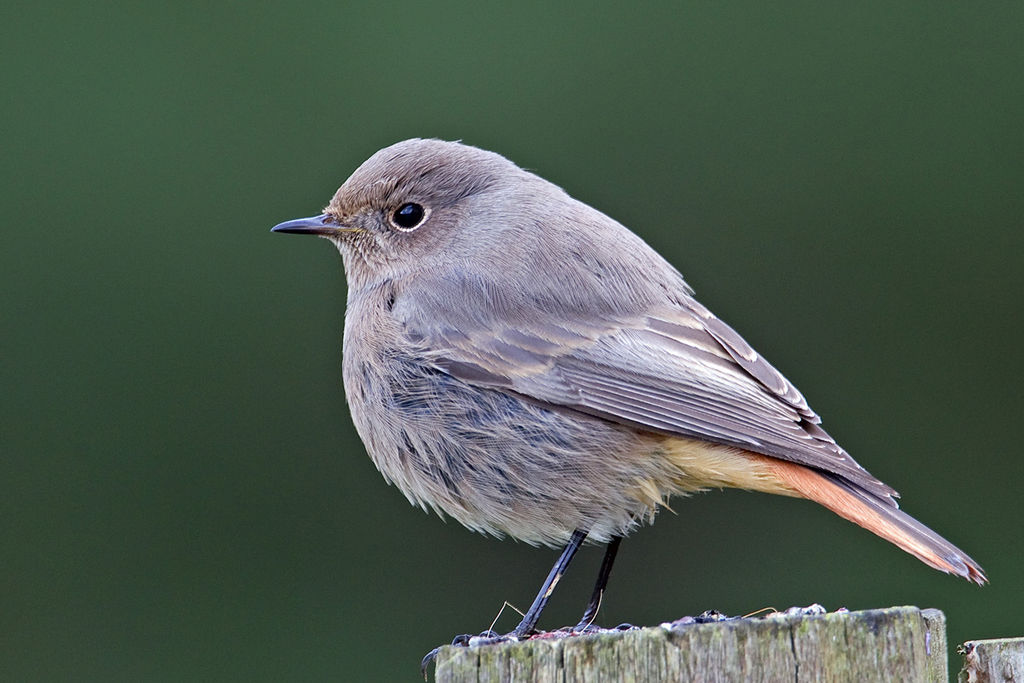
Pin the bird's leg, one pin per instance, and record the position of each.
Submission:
(590, 613)
(529, 621)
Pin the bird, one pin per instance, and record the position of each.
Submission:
(521, 362)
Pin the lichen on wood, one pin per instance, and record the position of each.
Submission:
(894, 644)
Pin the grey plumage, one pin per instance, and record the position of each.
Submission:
(527, 365)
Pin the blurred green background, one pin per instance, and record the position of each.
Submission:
(183, 495)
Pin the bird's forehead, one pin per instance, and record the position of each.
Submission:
(359, 192)
(428, 171)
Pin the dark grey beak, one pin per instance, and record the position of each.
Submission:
(314, 225)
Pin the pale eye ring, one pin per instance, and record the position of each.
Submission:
(409, 216)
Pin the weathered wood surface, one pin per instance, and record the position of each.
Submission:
(895, 644)
(988, 661)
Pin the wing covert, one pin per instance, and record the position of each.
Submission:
(674, 371)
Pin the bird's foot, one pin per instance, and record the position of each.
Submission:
(467, 639)
(584, 629)
(488, 637)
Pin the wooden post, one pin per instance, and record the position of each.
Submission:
(992, 661)
(895, 644)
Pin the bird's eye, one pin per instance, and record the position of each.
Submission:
(408, 216)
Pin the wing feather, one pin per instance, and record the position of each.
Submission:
(676, 371)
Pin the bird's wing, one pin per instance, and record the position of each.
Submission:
(676, 370)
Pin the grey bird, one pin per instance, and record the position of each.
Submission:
(521, 362)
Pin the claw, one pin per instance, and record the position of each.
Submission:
(430, 657)
(488, 637)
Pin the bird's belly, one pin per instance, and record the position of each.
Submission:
(502, 464)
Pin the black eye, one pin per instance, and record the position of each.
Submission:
(408, 216)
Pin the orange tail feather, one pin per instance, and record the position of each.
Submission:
(879, 517)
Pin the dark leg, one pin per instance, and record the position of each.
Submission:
(533, 614)
(590, 613)
(529, 621)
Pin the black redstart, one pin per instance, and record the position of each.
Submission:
(523, 363)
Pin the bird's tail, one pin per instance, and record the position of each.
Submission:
(880, 517)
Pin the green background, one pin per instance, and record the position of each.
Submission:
(183, 495)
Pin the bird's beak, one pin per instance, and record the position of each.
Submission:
(314, 225)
